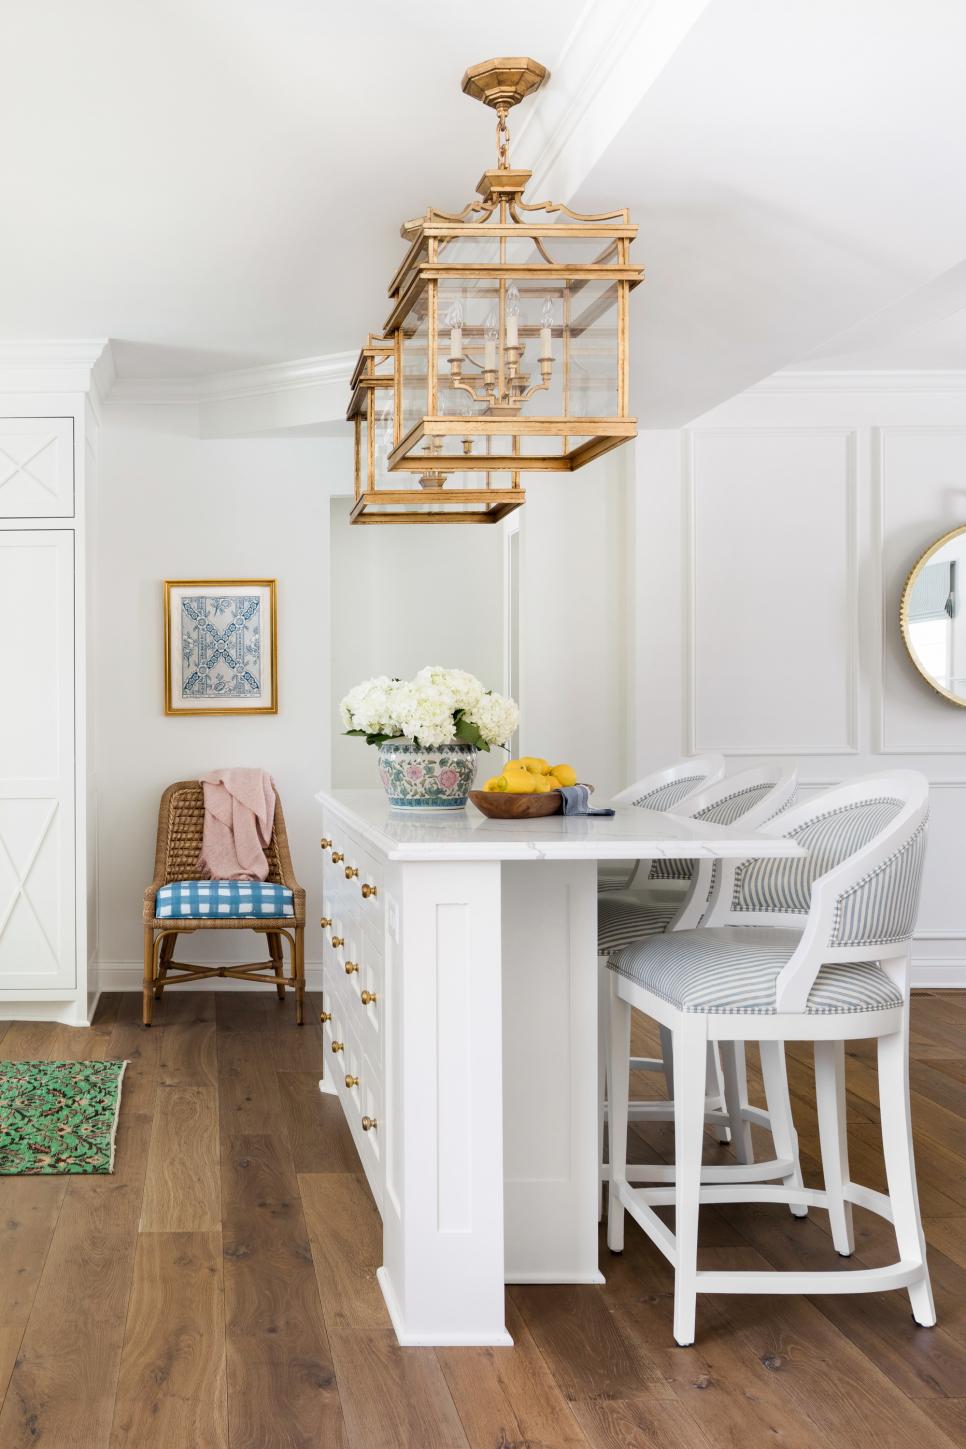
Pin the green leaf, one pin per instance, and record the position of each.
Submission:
(469, 732)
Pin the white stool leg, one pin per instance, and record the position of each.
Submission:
(736, 1097)
(603, 1036)
(714, 1090)
(783, 1132)
(667, 1057)
(618, 1076)
(900, 1165)
(833, 1139)
(690, 1055)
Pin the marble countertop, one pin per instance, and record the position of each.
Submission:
(632, 833)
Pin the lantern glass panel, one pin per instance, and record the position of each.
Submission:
(414, 361)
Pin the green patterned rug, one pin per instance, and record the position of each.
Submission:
(58, 1117)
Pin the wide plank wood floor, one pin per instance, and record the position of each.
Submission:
(218, 1291)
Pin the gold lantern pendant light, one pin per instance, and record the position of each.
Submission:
(507, 343)
(384, 497)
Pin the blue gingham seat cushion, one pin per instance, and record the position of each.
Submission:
(625, 918)
(223, 899)
(723, 970)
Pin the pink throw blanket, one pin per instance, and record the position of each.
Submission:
(239, 813)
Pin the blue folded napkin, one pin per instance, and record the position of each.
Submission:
(576, 801)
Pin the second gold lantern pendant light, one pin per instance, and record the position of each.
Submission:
(506, 349)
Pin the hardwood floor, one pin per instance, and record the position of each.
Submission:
(218, 1291)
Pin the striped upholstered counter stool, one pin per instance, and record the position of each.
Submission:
(178, 902)
(665, 789)
(752, 797)
(811, 949)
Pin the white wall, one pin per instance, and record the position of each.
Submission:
(173, 505)
(773, 538)
(403, 597)
(176, 504)
(575, 619)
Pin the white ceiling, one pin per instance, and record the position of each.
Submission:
(218, 184)
(797, 167)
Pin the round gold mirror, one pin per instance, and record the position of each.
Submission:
(932, 616)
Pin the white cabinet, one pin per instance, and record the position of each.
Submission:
(36, 467)
(37, 918)
(48, 441)
(354, 996)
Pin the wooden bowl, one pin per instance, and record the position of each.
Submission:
(500, 805)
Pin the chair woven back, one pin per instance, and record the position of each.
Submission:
(181, 821)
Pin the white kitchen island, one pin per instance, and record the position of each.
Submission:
(460, 1020)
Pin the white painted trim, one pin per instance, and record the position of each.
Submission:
(921, 380)
(939, 973)
(246, 382)
(129, 976)
(35, 365)
(466, 1338)
(67, 1013)
(689, 584)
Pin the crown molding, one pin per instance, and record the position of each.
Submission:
(248, 382)
(610, 60)
(53, 364)
(924, 380)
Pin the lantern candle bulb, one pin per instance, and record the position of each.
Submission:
(546, 332)
(489, 345)
(455, 319)
(513, 317)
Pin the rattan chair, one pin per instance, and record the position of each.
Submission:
(180, 827)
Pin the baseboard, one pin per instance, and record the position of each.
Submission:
(938, 973)
(66, 1013)
(129, 976)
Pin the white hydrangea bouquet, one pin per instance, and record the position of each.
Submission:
(428, 730)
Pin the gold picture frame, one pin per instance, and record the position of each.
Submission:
(216, 596)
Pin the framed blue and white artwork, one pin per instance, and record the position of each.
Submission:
(220, 646)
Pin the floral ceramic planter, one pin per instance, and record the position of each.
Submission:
(427, 779)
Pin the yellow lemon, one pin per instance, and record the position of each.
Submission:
(492, 783)
(535, 764)
(564, 774)
(543, 784)
(517, 782)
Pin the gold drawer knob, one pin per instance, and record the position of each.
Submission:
(338, 1046)
(325, 1016)
(368, 998)
(325, 922)
(351, 1081)
(338, 941)
(351, 871)
(369, 1124)
(337, 856)
(351, 967)
(325, 843)
(368, 890)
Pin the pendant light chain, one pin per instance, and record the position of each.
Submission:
(502, 139)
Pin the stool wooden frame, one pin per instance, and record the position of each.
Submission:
(180, 830)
